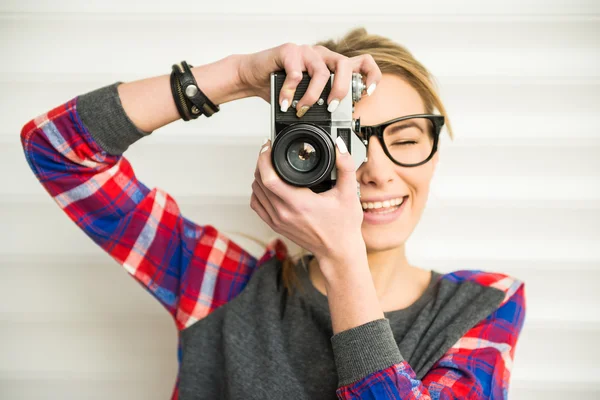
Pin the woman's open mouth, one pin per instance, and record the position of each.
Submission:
(383, 212)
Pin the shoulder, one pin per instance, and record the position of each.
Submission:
(512, 287)
(275, 249)
(503, 324)
(485, 351)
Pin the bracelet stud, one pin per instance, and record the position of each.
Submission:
(191, 91)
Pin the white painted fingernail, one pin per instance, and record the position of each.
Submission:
(285, 105)
(264, 149)
(333, 105)
(265, 141)
(341, 145)
(371, 89)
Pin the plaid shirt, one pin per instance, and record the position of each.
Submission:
(192, 270)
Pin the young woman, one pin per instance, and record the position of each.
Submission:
(365, 323)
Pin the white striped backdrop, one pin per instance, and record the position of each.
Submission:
(517, 192)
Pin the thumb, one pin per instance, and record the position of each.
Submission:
(346, 170)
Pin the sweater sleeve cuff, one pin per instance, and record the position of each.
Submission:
(103, 115)
(365, 349)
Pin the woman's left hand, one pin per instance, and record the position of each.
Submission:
(327, 224)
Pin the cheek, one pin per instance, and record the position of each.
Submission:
(418, 181)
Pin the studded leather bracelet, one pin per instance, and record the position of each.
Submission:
(190, 101)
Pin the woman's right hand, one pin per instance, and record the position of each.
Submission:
(255, 73)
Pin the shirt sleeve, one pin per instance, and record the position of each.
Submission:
(477, 367)
(75, 151)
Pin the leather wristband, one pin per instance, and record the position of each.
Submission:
(179, 98)
(191, 102)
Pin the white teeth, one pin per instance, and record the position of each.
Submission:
(384, 210)
(384, 204)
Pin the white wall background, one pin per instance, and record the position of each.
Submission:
(517, 192)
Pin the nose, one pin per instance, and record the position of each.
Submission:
(378, 171)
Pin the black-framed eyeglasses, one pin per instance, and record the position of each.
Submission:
(408, 141)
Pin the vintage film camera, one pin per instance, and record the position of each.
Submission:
(303, 149)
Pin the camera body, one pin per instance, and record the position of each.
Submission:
(303, 149)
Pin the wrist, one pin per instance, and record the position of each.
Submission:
(220, 81)
(353, 262)
(350, 291)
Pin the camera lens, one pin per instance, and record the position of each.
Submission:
(302, 156)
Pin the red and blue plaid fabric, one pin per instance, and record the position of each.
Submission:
(192, 270)
(477, 367)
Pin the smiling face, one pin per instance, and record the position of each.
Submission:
(380, 178)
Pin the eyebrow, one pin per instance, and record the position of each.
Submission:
(403, 125)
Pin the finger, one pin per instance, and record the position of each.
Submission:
(256, 205)
(319, 75)
(367, 66)
(342, 66)
(273, 204)
(346, 171)
(293, 66)
(264, 199)
(270, 181)
(341, 83)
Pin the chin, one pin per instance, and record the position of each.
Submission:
(382, 238)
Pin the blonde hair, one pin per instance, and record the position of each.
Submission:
(392, 58)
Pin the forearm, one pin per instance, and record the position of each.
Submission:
(149, 102)
(362, 341)
(350, 292)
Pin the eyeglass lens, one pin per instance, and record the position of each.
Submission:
(410, 141)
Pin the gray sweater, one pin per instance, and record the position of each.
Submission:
(265, 344)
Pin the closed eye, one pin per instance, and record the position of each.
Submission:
(404, 143)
